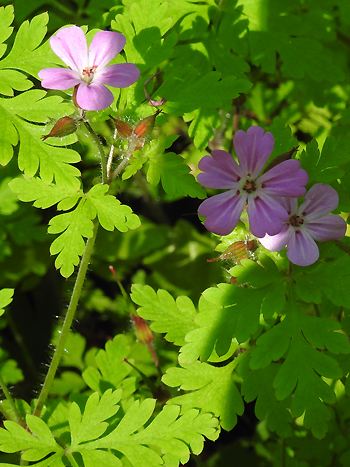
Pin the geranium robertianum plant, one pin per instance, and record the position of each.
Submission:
(163, 345)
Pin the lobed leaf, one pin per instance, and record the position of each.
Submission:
(304, 366)
(110, 212)
(226, 312)
(174, 318)
(73, 227)
(167, 439)
(43, 194)
(16, 127)
(209, 388)
(92, 423)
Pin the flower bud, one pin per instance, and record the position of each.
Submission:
(142, 330)
(63, 127)
(145, 336)
(145, 126)
(124, 129)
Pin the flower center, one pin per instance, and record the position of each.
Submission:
(87, 74)
(296, 221)
(249, 186)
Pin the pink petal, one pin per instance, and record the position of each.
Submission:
(302, 249)
(119, 76)
(104, 46)
(266, 216)
(276, 242)
(285, 179)
(93, 97)
(253, 149)
(219, 170)
(326, 228)
(319, 200)
(222, 212)
(58, 78)
(69, 44)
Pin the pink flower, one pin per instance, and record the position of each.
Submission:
(87, 66)
(306, 223)
(247, 187)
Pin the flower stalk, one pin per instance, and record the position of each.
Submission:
(100, 150)
(72, 307)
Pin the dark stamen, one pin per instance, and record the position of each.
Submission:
(249, 186)
(296, 221)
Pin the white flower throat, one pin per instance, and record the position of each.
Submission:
(88, 73)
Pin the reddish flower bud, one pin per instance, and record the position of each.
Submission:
(124, 129)
(142, 330)
(63, 127)
(145, 336)
(145, 126)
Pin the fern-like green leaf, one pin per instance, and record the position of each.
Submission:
(209, 388)
(92, 423)
(226, 312)
(168, 439)
(73, 227)
(37, 443)
(44, 194)
(173, 318)
(110, 212)
(298, 339)
(35, 155)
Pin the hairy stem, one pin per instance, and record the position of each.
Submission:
(127, 156)
(10, 400)
(79, 281)
(74, 300)
(110, 156)
(100, 148)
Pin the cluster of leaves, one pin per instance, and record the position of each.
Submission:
(274, 337)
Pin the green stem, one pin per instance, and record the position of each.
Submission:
(9, 399)
(100, 148)
(110, 156)
(85, 260)
(127, 156)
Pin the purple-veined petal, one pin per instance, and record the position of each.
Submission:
(69, 44)
(302, 248)
(276, 242)
(328, 227)
(289, 204)
(93, 97)
(285, 179)
(58, 78)
(266, 216)
(222, 212)
(253, 149)
(119, 76)
(219, 170)
(104, 46)
(319, 200)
